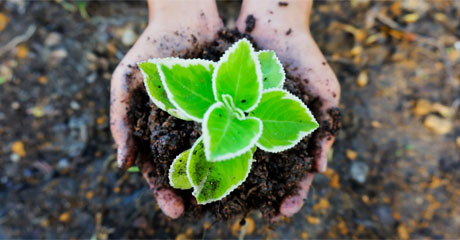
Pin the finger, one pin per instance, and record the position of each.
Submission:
(325, 145)
(292, 204)
(276, 218)
(168, 201)
(270, 13)
(322, 84)
(123, 79)
(171, 204)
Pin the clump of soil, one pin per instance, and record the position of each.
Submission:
(163, 137)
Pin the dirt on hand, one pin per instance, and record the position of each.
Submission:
(392, 173)
(272, 176)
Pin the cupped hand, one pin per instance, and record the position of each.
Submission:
(284, 28)
(173, 26)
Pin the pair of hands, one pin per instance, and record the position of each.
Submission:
(178, 25)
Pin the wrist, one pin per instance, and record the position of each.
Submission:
(294, 14)
(167, 11)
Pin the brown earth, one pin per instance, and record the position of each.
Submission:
(393, 173)
(272, 176)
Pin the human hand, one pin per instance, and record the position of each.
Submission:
(173, 26)
(284, 28)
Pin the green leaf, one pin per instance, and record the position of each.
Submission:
(188, 85)
(272, 70)
(82, 4)
(156, 90)
(227, 134)
(212, 181)
(285, 118)
(238, 74)
(178, 172)
(133, 169)
(254, 149)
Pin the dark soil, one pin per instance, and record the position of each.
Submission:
(250, 23)
(272, 177)
(389, 177)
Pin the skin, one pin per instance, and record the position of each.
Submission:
(160, 39)
(163, 37)
(303, 58)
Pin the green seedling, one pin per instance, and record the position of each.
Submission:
(134, 169)
(241, 106)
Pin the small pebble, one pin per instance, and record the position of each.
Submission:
(64, 217)
(376, 124)
(18, 148)
(410, 18)
(74, 105)
(63, 164)
(91, 78)
(15, 105)
(53, 39)
(37, 111)
(22, 51)
(129, 36)
(359, 171)
(422, 108)
(438, 125)
(304, 235)
(3, 21)
(457, 45)
(445, 111)
(43, 80)
(58, 55)
(6, 72)
(4, 180)
(351, 154)
(362, 79)
(15, 157)
(313, 220)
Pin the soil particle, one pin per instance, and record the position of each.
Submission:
(162, 137)
(250, 23)
(283, 4)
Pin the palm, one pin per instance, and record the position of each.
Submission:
(292, 42)
(161, 38)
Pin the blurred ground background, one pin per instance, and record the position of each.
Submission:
(395, 170)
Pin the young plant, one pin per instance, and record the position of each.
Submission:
(240, 104)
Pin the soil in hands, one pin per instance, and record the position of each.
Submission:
(162, 137)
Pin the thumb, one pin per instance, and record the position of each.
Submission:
(168, 201)
(120, 126)
(292, 204)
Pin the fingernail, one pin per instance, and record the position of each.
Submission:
(120, 159)
(171, 204)
(275, 218)
(125, 159)
(291, 205)
(323, 163)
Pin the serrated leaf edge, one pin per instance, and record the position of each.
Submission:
(171, 171)
(301, 134)
(197, 189)
(174, 112)
(233, 187)
(207, 140)
(169, 63)
(225, 57)
(281, 84)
